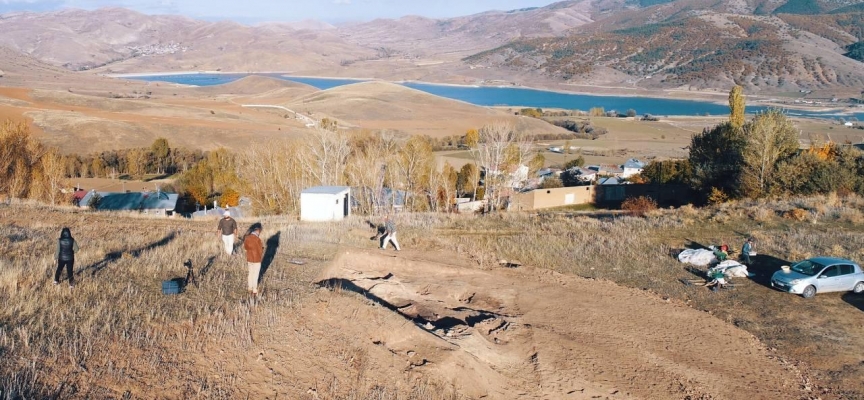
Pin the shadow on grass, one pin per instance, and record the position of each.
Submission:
(763, 266)
(856, 300)
(270, 250)
(116, 255)
(207, 266)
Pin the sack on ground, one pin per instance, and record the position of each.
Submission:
(733, 269)
(700, 257)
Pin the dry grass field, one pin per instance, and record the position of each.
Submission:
(664, 139)
(595, 294)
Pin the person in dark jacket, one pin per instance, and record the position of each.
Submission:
(64, 257)
(746, 251)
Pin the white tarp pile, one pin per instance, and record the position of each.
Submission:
(733, 269)
(700, 257)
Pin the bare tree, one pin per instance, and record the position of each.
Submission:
(499, 148)
(53, 175)
(328, 150)
(274, 175)
(366, 169)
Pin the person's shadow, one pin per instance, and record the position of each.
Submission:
(764, 267)
(116, 255)
(856, 300)
(270, 250)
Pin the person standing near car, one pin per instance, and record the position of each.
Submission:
(746, 250)
(228, 230)
(64, 257)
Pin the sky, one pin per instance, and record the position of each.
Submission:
(254, 11)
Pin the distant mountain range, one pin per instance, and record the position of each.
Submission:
(769, 45)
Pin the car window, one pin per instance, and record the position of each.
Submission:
(833, 270)
(807, 267)
(846, 269)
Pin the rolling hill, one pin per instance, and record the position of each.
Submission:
(767, 45)
(699, 44)
(126, 40)
(389, 106)
(259, 86)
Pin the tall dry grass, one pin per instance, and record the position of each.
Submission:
(115, 331)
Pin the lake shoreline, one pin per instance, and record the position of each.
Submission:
(600, 92)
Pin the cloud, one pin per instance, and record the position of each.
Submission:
(342, 2)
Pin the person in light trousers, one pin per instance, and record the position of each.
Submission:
(389, 234)
(254, 254)
(228, 230)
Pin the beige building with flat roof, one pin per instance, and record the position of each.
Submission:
(549, 198)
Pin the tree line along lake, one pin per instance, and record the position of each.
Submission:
(514, 96)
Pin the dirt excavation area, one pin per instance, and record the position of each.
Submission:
(522, 332)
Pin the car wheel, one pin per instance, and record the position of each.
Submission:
(859, 288)
(808, 292)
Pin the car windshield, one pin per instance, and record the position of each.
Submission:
(808, 267)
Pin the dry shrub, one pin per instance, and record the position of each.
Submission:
(850, 215)
(797, 214)
(638, 206)
(838, 251)
(761, 214)
(717, 196)
(688, 210)
(796, 255)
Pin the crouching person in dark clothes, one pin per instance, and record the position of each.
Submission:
(389, 234)
(64, 257)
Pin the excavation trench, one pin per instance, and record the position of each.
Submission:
(496, 332)
(431, 321)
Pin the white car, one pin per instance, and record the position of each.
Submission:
(820, 275)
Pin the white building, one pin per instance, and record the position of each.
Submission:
(632, 167)
(325, 203)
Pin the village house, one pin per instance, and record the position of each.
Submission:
(607, 170)
(157, 202)
(632, 167)
(538, 199)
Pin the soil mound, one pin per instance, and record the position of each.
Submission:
(544, 335)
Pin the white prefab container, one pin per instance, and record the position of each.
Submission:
(325, 203)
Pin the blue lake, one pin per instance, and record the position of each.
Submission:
(512, 96)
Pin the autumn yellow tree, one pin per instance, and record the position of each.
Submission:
(414, 160)
(27, 168)
(736, 106)
(770, 138)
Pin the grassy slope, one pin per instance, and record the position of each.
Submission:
(52, 340)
